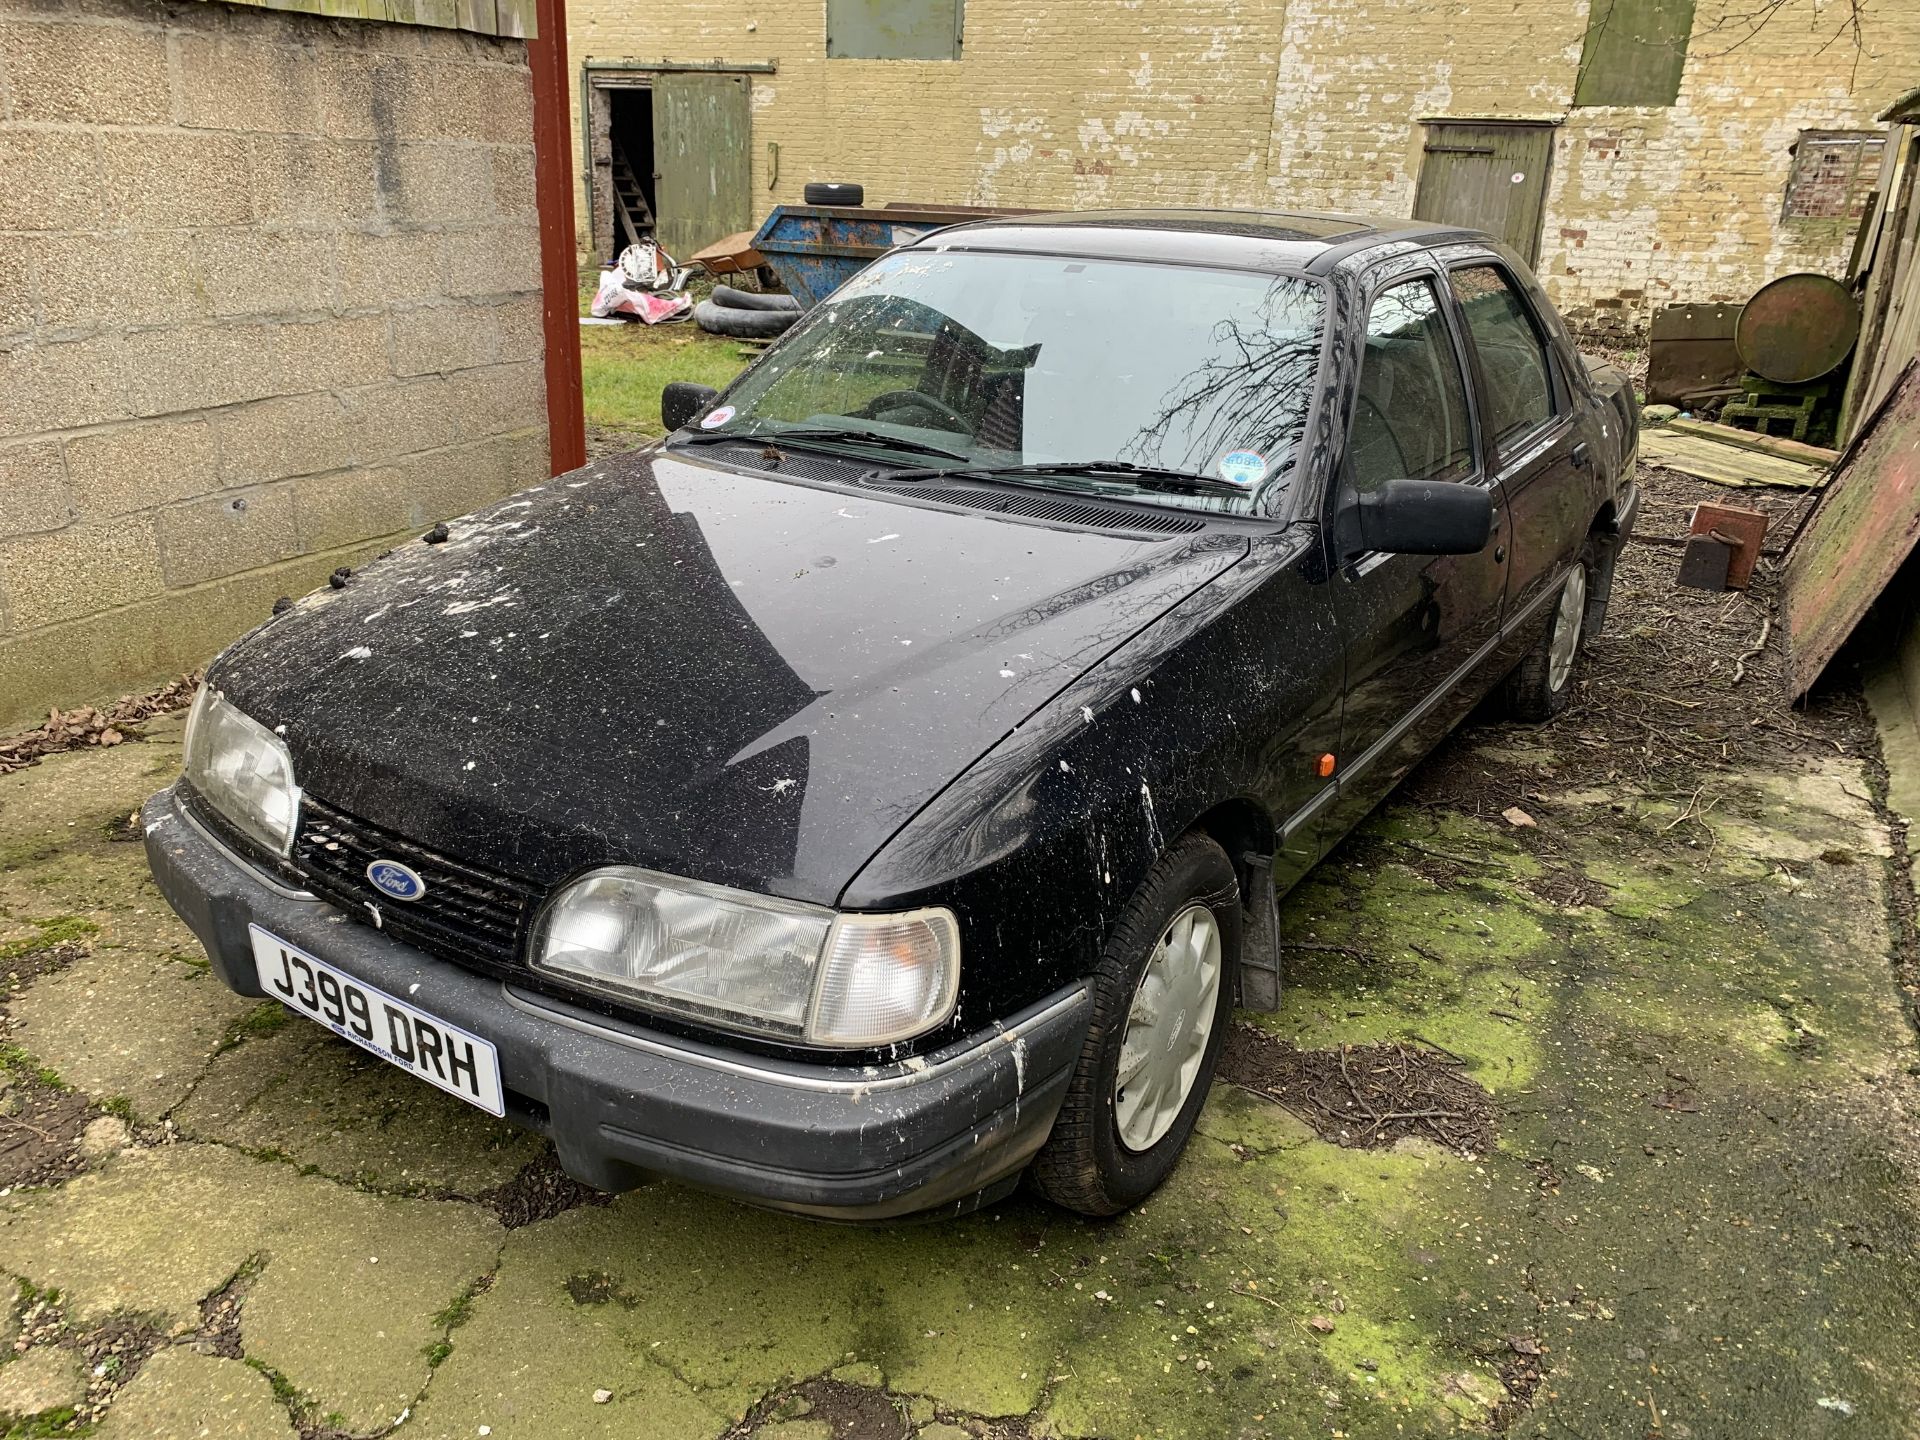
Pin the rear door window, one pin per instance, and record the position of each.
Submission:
(1410, 417)
(1513, 357)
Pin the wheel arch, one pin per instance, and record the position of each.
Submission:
(1244, 829)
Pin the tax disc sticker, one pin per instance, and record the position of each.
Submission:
(1245, 468)
(716, 418)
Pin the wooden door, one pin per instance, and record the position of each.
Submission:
(702, 171)
(1488, 175)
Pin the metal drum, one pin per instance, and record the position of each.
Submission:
(1797, 328)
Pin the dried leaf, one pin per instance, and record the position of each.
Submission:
(1514, 815)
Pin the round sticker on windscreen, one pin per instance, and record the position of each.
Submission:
(716, 418)
(1243, 467)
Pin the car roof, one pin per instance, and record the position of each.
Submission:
(1276, 240)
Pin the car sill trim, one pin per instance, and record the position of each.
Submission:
(1001, 1036)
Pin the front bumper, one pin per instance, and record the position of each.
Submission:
(944, 1132)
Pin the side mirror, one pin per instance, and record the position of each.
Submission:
(682, 400)
(1421, 517)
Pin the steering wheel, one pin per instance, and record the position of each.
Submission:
(920, 400)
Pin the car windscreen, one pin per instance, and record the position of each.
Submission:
(1022, 360)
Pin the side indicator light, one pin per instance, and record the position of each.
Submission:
(1326, 766)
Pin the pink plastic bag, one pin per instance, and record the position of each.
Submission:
(614, 298)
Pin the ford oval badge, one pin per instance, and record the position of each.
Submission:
(391, 878)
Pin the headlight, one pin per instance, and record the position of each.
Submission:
(751, 962)
(243, 770)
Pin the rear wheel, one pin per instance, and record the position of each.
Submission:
(1542, 683)
(1163, 993)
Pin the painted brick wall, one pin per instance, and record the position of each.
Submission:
(268, 295)
(1316, 104)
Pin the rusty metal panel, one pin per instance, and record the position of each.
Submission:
(1863, 531)
(1690, 352)
(702, 127)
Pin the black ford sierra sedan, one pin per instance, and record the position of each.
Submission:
(882, 787)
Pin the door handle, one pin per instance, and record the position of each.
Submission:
(1582, 455)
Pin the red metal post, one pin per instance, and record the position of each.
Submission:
(553, 196)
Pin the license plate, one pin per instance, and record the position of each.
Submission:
(401, 1034)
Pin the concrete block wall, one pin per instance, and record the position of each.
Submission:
(269, 297)
(1317, 104)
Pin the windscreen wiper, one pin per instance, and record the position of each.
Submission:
(805, 433)
(1147, 477)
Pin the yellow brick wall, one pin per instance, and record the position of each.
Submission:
(1313, 104)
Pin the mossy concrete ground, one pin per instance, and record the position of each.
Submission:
(1698, 1220)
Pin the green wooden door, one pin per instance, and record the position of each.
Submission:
(1492, 177)
(702, 173)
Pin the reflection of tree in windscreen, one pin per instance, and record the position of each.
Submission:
(1250, 391)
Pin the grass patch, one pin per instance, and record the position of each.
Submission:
(17, 1062)
(283, 1390)
(53, 1422)
(459, 1310)
(60, 930)
(623, 370)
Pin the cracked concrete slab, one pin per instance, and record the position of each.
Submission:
(46, 1378)
(344, 1305)
(128, 1021)
(290, 1088)
(182, 1395)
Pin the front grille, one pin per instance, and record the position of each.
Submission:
(467, 915)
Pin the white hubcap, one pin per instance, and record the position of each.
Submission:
(1567, 622)
(1168, 1026)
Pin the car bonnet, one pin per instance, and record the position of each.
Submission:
(660, 662)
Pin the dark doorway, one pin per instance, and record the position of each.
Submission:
(622, 183)
(630, 131)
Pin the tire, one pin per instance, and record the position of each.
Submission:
(728, 298)
(1087, 1164)
(1541, 684)
(742, 324)
(834, 192)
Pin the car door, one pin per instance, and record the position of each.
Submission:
(1415, 626)
(1536, 448)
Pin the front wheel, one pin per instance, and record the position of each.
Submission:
(1162, 997)
(1542, 683)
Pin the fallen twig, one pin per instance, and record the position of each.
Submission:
(1740, 665)
(1256, 1295)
